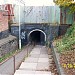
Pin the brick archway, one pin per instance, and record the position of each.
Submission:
(37, 30)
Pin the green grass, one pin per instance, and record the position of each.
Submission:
(67, 41)
(10, 54)
(7, 55)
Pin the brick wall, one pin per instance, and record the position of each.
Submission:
(9, 7)
(3, 20)
(3, 24)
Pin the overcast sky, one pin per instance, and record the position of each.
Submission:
(29, 2)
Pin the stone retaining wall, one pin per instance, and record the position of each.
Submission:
(56, 56)
(7, 45)
(4, 34)
(63, 29)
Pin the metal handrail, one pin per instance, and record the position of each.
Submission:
(14, 57)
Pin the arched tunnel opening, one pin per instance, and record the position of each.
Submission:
(37, 37)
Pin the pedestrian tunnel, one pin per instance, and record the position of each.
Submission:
(37, 36)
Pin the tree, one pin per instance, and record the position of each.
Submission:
(66, 4)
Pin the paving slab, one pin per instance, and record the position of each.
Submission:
(28, 66)
(35, 52)
(4, 74)
(44, 48)
(52, 74)
(38, 46)
(31, 60)
(42, 73)
(43, 56)
(43, 52)
(24, 72)
(43, 60)
(34, 55)
(36, 64)
(42, 66)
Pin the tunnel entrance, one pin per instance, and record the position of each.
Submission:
(37, 37)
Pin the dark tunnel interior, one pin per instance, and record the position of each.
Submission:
(37, 37)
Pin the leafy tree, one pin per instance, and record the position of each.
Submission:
(68, 40)
(66, 4)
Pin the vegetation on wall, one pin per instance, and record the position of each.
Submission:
(68, 40)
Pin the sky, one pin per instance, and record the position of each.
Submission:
(29, 2)
(39, 2)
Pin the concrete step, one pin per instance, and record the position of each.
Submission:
(43, 60)
(39, 55)
(28, 66)
(34, 55)
(42, 73)
(43, 56)
(31, 60)
(42, 66)
(35, 51)
(52, 74)
(37, 63)
(24, 72)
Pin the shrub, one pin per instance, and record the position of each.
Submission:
(67, 41)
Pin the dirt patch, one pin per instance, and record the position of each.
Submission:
(67, 60)
(52, 67)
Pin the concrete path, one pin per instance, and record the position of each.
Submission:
(37, 63)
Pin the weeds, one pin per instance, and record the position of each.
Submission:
(67, 41)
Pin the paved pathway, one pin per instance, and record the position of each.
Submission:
(37, 63)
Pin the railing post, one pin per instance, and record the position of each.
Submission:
(14, 63)
(27, 50)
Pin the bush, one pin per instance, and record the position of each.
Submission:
(67, 41)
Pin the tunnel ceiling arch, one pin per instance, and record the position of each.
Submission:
(37, 30)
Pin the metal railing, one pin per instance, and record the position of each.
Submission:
(15, 61)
